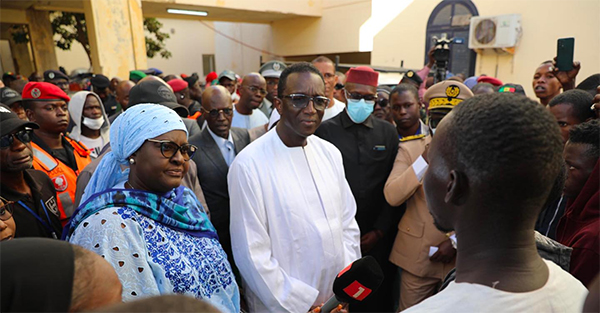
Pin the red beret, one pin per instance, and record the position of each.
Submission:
(490, 80)
(177, 84)
(41, 91)
(210, 77)
(363, 75)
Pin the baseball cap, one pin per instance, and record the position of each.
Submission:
(9, 75)
(154, 91)
(446, 94)
(42, 91)
(192, 79)
(9, 121)
(54, 74)
(272, 69)
(227, 74)
(512, 88)
(100, 81)
(9, 96)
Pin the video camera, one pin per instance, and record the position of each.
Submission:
(441, 54)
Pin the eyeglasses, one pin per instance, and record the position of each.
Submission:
(6, 210)
(24, 136)
(300, 101)
(383, 102)
(254, 90)
(215, 113)
(369, 99)
(168, 149)
(339, 86)
(328, 76)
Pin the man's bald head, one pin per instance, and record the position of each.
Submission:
(215, 95)
(122, 93)
(252, 93)
(218, 110)
(253, 78)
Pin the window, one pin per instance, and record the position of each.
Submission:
(451, 17)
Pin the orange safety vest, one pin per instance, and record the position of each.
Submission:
(63, 176)
(195, 116)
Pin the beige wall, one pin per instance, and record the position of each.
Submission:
(232, 55)
(337, 30)
(404, 37)
(188, 42)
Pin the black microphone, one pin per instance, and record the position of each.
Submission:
(355, 283)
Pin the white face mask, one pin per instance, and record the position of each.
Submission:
(93, 124)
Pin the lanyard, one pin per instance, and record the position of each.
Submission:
(46, 225)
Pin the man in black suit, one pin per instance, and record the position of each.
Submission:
(218, 144)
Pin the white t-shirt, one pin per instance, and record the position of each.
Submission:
(95, 145)
(562, 293)
(257, 118)
(337, 107)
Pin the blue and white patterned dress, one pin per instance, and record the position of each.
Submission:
(151, 258)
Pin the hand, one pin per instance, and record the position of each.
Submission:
(424, 155)
(445, 253)
(369, 240)
(596, 105)
(566, 78)
(341, 308)
(431, 57)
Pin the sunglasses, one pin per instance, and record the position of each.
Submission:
(215, 113)
(259, 90)
(24, 136)
(300, 101)
(339, 86)
(168, 149)
(383, 102)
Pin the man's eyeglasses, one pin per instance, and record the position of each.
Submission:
(328, 76)
(168, 149)
(339, 86)
(6, 209)
(300, 101)
(259, 90)
(215, 113)
(24, 136)
(369, 99)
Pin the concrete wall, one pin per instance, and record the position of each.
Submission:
(244, 58)
(543, 21)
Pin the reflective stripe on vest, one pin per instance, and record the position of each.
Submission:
(67, 203)
(47, 161)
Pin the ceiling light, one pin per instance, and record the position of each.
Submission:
(187, 12)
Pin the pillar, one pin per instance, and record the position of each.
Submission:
(116, 35)
(42, 43)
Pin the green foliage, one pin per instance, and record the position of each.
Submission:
(19, 33)
(155, 45)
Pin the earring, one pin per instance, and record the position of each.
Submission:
(131, 161)
(182, 96)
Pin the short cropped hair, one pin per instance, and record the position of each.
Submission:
(401, 88)
(322, 59)
(587, 133)
(301, 67)
(579, 100)
(82, 277)
(509, 145)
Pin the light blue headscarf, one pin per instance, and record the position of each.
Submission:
(127, 134)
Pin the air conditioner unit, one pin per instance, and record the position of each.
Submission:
(500, 31)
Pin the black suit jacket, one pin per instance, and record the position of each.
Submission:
(212, 174)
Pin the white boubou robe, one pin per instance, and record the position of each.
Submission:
(292, 222)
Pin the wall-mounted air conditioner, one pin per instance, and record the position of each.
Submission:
(500, 31)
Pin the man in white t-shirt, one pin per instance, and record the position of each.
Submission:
(252, 92)
(327, 69)
(92, 125)
(487, 180)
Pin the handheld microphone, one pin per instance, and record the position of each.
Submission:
(355, 283)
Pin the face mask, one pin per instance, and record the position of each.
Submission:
(359, 110)
(93, 124)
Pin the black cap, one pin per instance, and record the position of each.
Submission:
(9, 121)
(50, 75)
(154, 91)
(9, 96)
(192, 79)
(100, 81)
(412, 75)
(9, 75)
(512, 88)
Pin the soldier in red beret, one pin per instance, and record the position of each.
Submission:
(368, 146)
(182, 92)
(53, 152)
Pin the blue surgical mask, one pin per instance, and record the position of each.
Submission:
(359, 110)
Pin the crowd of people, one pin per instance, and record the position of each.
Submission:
(252, 192)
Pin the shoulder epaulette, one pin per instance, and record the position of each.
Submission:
(414, 137)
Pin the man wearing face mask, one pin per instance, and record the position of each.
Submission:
(91, 121)
(368, 146)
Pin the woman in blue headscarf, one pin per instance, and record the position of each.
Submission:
(152, 230)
